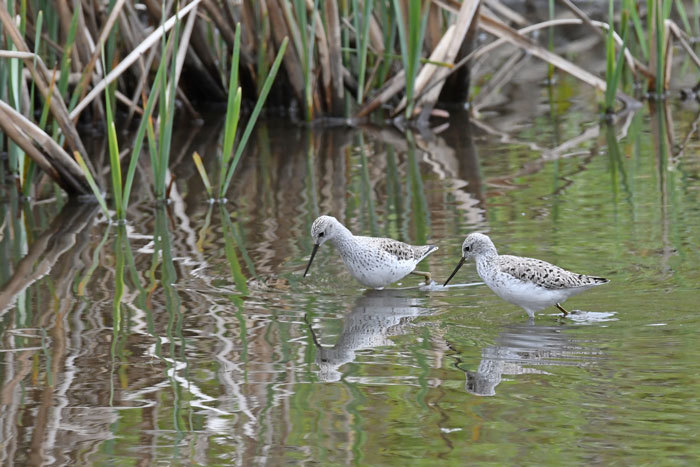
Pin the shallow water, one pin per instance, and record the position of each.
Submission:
(190, 337)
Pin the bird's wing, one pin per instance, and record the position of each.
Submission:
(545, 274)
(401, 250)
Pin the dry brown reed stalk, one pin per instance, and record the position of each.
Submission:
(48, 154)
(118, 70)
(40, 76)
(445, 52)
(107, 28)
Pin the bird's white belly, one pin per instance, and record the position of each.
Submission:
(380, 273)
(525, 294)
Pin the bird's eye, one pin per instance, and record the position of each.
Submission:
(320, 234)
(467, 248)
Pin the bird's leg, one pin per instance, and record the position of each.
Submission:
(427, 275)
(562, 309)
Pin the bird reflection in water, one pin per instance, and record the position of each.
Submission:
(376, 315)
(526, 349)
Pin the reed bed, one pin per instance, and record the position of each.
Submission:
(69, 65)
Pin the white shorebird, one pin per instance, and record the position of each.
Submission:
(374, 262)
(530, 283)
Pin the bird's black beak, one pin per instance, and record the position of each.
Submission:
(313, 253)
(459, 265)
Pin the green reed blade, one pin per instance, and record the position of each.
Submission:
(411, 43)
(91, 181)
(254, 116)
(114, 162)
(166, 128)
(158, 169)
(30, 165)
(550, 41)
(308, 65)
(614, 81)
(47, 103)
(23, 17)
(364, 42)
(389, 29)
(262, 31)
(684, 16)
(141, 132)
(37, 45)
(116, 171)
(232, 114)
(28, 176)
(403, 42)
(661, 16)
(230, 133)
(631, 6)
(609, 53)
(306, 46)
(203, 173)
(67, 52)
(152, 149)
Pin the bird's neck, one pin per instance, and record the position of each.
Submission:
(343, 240)
(487, 257)
(485, 265)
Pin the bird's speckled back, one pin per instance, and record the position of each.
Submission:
(544, 274)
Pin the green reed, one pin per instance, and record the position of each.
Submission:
(30, 165)
(362, 22)
(121, 195)
(411, 40)
(614, 66)
(14, 89)
(661, 17)
(389, 30)
(159, 149)
(231, 157)
(550, 41)
(683, 15)
(309, 58)
(631, 6)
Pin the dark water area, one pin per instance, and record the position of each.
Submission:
(189, 336)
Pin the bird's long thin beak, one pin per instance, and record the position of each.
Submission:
(313, 253)
(459, 265)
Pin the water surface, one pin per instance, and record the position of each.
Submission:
(190, 337)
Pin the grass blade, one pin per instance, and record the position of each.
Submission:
(138, 142)
(91, 181)
(202, 173)
(256, 112)
(233, 109)
(364, 40)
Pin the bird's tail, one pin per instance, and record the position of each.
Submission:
(425, 251)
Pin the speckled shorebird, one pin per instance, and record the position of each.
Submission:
(374, 262)
(530, 283)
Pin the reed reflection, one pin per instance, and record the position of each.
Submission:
(375, 317)
(526, 349)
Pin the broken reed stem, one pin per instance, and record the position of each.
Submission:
(53, 160)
